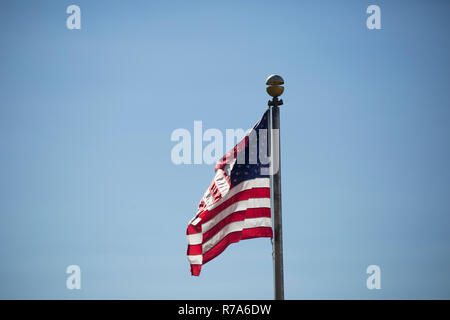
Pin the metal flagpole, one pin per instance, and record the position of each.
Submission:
(275, 89)
(269, 154)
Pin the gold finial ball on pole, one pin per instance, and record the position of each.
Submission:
(275, 88)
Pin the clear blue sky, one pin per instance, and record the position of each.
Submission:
(86, 117)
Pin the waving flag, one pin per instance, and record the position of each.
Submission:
(236, 206)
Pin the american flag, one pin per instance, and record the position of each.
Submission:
(236, 206)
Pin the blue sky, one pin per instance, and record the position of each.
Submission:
(86, 116)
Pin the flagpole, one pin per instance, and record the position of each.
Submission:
(275, 89)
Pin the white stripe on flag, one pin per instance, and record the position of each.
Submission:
(207, 197)
(195, 238)
(257, 222)
(221, 182)
(195, 259)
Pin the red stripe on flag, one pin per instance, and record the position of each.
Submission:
(258, 232)
(194, 249)
(195, 269)
(193, 229)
